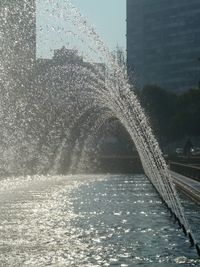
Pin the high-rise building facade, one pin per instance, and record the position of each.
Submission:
(18, 32)
(163, 43)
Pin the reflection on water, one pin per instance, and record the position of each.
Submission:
(89, 221)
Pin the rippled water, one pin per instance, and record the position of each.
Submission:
(90, 221)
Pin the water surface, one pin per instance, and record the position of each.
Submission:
(112, 220)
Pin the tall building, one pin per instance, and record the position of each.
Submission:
(163, 43)
(18, 33)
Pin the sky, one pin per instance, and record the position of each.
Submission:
(107, 16)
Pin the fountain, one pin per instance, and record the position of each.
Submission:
(50, 113)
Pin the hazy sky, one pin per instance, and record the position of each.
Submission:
(107, 16)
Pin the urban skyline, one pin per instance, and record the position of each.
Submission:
(163, 43)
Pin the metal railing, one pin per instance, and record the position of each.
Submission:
(186, 170)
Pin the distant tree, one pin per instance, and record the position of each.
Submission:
(186, 121)
(120, 57)
(160, 106)
(173, 117)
